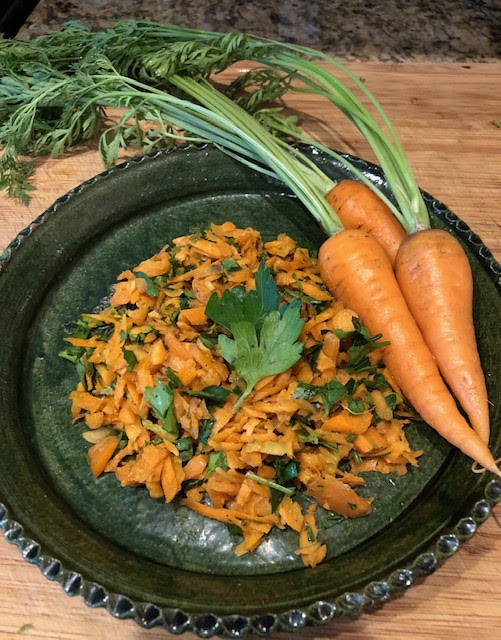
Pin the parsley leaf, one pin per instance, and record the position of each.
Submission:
(356, 405)
(81, 371)
(138, 337)
(208, 340)
(379, 382)
(266, 288)
(237, 305)
(362, 330)
(235, 531)
(305, 391)
(86, 327)
(72, 353)
(275, 351)
(185, 448)
(310, 437)
(360, 334)
(176, 383)
(311, 354)
(264, 337)
(363, 344)
(358, 353)
(364, 366)
(285, 471)
(309, 532)
(331, 520)
(331, 393)
(228, 308)
(160, 398)
(356, 457)
(301, 297)
(391, 400)
(276, 498)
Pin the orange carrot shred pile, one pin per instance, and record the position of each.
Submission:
(155, 332)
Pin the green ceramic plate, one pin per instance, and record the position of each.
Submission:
(163, 564)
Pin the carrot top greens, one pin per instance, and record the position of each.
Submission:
(54, 91)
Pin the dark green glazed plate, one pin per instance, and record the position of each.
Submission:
(163, 564)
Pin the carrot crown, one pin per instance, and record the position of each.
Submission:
(387, 147)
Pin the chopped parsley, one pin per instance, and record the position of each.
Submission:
(309, 532)
(330, 393)
(230, 264)
(174, 380)
(286, 471)
(217, 460)
(161, 400)
(212, 394)
(205, 429)
(130, 359)
(151, 289)
(356, 457)
(331, 520)
(185, 448)
(391, 400)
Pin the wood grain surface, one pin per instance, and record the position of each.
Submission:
(448, 116)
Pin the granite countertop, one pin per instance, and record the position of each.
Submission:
(388, 30)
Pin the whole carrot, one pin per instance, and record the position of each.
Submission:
(359, 207)
(435, 278)
(358, 271)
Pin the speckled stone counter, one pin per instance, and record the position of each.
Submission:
(352, 29)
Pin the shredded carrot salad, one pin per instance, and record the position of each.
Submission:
(162, 387)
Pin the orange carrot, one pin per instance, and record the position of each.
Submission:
(435, 278)
(358, 271)
(358, 207)
(433, 261)
(337, 496)
(195, 317)
(100, 454)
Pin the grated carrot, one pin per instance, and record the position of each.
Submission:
(166, 337)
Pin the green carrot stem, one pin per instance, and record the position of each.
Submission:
(269, 483)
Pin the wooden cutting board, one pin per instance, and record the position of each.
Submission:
(448, 116)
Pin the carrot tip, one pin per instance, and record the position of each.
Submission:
(476, 468)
